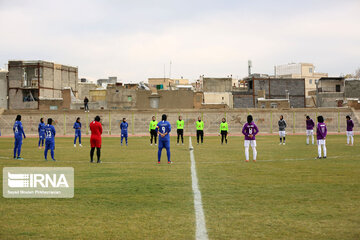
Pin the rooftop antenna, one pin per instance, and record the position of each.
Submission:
(249, 67)
(170, 71)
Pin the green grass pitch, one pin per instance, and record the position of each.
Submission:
(286, 194)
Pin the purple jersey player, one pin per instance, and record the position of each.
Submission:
(250, 130)
(321, 132)
(309, 130)
(349, 130)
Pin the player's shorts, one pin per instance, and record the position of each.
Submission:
(282, 133)
(251, 143)
(309, 132)
(49, 145)
(124, 135)
(180, 131)
(95, 142)
(42, 135)
(349, 133)
(321, 142)
(164, 144)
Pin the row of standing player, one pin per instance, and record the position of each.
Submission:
(47, 134)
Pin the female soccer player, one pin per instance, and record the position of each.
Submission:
(164, 129)
(152, 130)
(95, 138)
(349, 130)
(321, 132)
(199, 130)
(250, 130)
(124, 131)
(180, 130)
(49, 139)
(18, 134)
(282, 126)
(309, 130)
(77, 127)
(224, 129)
(41, 131)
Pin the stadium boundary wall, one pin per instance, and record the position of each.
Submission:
(265, 119)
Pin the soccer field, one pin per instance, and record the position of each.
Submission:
(286, 194)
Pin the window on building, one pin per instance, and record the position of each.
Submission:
(129, 98)
(310, 70)
(117, 90)
(222, 98)
(38, 72)
(310, 81)
(273, 105)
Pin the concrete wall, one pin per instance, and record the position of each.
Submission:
(118, 97)
(352, 88)
(265, 119)
(84, 89)
(3, 89)
(329, 99)
(45, 81)
(217, 84)
(276, 89)
(219, 98)
(176, 99)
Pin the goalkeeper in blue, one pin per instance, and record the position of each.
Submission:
(41, 131)
(77, 127)
(164, 128)
(18, 134)
(49, 139)
(124, 131)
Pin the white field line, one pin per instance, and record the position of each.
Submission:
(201, 233)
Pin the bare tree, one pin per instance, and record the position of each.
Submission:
(357, 73)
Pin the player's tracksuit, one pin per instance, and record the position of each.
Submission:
(250, 129)
(224, 128)
(282, 126)
(124, 132)
(180, 130)
(321, 132)
(49, 140)
(152, 130)
(41, 131)
(199, 131)
(77, 127)
(18, 134)
(349, 131)
(164, 142)
(309, 130)
(95, 139)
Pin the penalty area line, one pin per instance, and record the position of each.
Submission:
(201, 233)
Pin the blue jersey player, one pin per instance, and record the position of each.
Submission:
(49, 139)
(77, 127)
(41, 131)
(164, 129)
(124, 131)
(18, 134)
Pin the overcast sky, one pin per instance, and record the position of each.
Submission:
(133, 40)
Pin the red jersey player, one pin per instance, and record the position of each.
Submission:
(95, 139)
